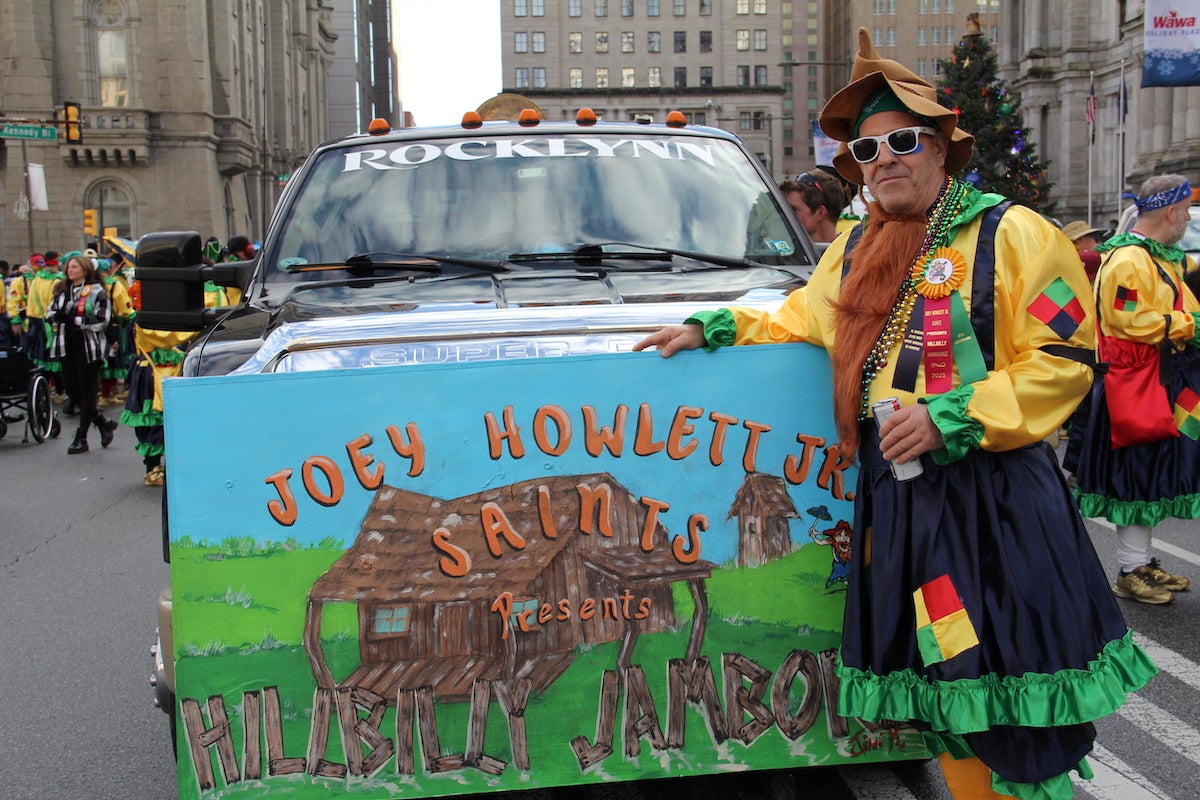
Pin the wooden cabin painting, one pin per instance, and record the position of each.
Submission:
(421, 627)
(762, 507)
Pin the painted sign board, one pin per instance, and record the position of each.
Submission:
(477, 577)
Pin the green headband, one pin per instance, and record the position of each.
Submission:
(884, 99)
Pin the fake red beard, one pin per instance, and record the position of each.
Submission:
(880, 263)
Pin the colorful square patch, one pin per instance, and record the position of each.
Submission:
(943, 628)
(1126, 299)
(1187, 414)
(1059, 308)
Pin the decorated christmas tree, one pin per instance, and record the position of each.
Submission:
(1005, 161)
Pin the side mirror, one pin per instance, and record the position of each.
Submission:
(172, 277)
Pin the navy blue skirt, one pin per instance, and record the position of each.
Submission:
(1143, 484)
(977, 608)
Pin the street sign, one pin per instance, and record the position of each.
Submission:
(28, 132)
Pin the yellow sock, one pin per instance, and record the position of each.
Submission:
(968, 778)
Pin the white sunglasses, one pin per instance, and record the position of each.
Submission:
(901, 141)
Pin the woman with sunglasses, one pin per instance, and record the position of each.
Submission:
(976, 607)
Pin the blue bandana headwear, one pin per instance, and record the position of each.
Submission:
(1167, 197)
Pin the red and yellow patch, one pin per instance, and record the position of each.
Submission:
(943, 628)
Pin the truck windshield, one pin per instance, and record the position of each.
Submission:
(488, 198)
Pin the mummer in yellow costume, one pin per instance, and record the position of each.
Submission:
(976, 607)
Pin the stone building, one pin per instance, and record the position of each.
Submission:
(192, 113)
(760, 68)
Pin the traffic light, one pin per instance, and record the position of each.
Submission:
(74, 128)
(91, 226)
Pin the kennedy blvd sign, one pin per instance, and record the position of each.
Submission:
(27, 132)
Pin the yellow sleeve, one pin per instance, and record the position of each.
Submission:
(1136, 302)
(14, 301)
(805, 315)
(1031, 390)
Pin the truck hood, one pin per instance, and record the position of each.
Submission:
(449, 332)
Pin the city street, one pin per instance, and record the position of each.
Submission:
(82, 565)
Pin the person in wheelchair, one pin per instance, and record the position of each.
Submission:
(78, 314)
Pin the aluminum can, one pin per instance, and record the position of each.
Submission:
(881, 411)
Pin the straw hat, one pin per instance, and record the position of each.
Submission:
(1078, 229)
(872, 72)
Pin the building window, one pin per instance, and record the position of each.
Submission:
(922, 67)
(520, 8)
(705, 41)
(575, 78)
(112, 57)
(743, 6)
(680, 41)
(654, 77)
(937, 6)
(627, 39)
(628, 77)
(574, 8)
(626, 8)
(681, 77)
(921, 37)
(601, 77)
(743, 40)
(539, 41)
(520, 42)
(760, 76)
(522, 77)
(537, 8)
(743, 75)
(706, 76)
(601, 8)
(391, 620)
(539, 77)
(680, 7)
(601, 41)
(877, 34)
(937, 36)
(760, 39)
(654, 42)
(705, 9)
(949, 6)
(114, 210)
(922, 6)
(877, 7)
(891, 37)
(949, 35)
(744, 120)
(574, 42)
(760, 6)
(651, 8)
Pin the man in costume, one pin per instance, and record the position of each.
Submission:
(1143, 302)
(990, 628)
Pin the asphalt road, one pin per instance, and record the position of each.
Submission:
(81, 566)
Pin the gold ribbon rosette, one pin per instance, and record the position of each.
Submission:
(943, 273)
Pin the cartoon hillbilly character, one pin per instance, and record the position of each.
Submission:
(837, 538)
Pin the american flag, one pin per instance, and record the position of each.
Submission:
(1091, 109)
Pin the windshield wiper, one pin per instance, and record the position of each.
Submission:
(604, 251)
(372, 262)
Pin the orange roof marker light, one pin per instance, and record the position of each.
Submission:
(471, 120)
(676, 119)
(379, 126)
(586, 117)
(528, 117)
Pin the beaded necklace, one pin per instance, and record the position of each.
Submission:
(945, 210)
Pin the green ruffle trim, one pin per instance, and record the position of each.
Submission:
(1195, 340)
(1138, 512)
(163, 357)
(146, 418)
(1057, 788)
(1163, 252)
(720, 328)
(960, 433)
(1036, 700)
(147, 449)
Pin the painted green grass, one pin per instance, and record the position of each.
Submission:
(762, 613)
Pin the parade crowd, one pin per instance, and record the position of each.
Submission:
(73, 313)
